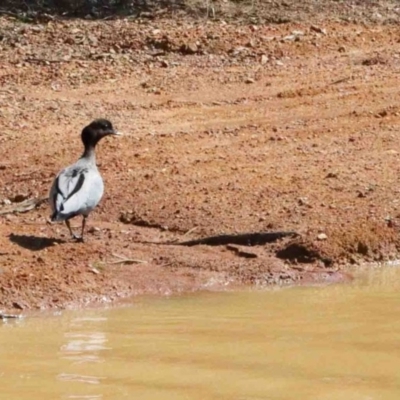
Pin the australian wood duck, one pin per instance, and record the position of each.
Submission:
(77, 189)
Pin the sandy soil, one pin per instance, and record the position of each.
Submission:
(228, 129)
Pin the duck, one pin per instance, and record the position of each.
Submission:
(78, 188)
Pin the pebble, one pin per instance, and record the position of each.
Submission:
(318, 29)
(322, 236)
(189, 48)
(264, 59)
(303, 201)
(290, 38)
(332, 175)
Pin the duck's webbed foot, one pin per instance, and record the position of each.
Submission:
(78, 239)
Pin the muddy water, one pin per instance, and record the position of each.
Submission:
(337, 342)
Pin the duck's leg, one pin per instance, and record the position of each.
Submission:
(70, 230)
(83, 226)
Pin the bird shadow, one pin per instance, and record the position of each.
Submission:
(34, 243)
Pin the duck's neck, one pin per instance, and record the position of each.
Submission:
(89, 154)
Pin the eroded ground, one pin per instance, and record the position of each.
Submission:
(228, 129)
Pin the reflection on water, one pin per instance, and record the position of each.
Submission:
(327, 343)
(85, 343)
(84, 347)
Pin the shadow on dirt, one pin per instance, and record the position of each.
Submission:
(34, 243)
(245, 239)
(248, 11)
(302, 253)
(39, 10)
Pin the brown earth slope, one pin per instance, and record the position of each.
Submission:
(228, 129)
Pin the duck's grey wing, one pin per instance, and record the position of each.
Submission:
(75, 191)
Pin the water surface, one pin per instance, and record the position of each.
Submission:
(338, 342)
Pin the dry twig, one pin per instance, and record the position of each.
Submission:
(23, 206)
(126, 260)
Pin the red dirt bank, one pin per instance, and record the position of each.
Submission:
(293, 129)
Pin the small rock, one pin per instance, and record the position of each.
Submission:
(18, 305)
(164, 64)
(93, 40)
(342, 49)
(189, 48)
(391, 223)
(237, 50)
(250, 44)
(353, 259)
(264, 59)
(249, 80)
(147, 14)
(382, 114)
(322, 236)
(38, 28)
(302, 201)
(318, 29)
(374, 61)
(94, 271)
(361, 194)
(290, 38)
(332, 175)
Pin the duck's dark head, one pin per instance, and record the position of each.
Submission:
(96, 130)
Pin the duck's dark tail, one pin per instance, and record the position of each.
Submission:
(57, 217)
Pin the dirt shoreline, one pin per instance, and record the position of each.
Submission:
(228, 129)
